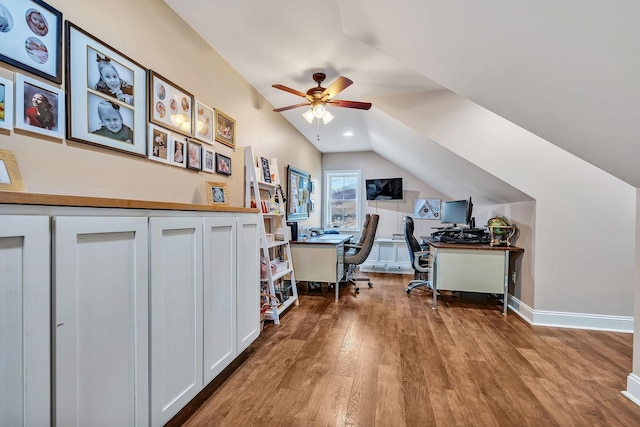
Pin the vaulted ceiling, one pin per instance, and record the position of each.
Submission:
(566, 71)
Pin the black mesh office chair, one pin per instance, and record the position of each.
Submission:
(419, 257)
(358, 253)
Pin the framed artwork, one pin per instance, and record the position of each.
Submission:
(31, 37)
(225, 129)
(223, 164)
(426, 209)
(298, 196)
(6, 104)
(194, 155)
(264, 167)
(10, 178)
(217, 193)
(159, 143)
(170, 106)
(204, 122)
(207, 159)
(178, 152)
(107, 98)
(39, 107)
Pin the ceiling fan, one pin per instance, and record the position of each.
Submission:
(318, 98)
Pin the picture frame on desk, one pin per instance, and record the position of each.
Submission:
(10, 177)
(31, 38)
(217, 193)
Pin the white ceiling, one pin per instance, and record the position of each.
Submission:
(567, 71)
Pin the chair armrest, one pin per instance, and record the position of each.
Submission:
(349, 246)
(418, 261)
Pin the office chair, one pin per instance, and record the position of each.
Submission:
(358, 253)
(419, 257)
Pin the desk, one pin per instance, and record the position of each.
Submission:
(471, 267)
(320, 259)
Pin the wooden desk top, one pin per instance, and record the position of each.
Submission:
(328, 239)
(442, 245)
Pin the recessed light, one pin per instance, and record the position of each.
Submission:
(347, 133)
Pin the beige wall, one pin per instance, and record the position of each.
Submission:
(150, 33)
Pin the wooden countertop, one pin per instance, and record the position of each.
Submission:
(17, 198)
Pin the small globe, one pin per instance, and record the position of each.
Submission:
(499, 221)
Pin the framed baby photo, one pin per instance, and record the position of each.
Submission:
(217, 193)
(159, 140)
(194, 155)
(225, 129)
(39, 107)
(223, 164)
(208, 159)
(170, 106)
(6, 104)
(106, 100)
(204, 122)
(10, 178)
(31, 37)
(178, 151)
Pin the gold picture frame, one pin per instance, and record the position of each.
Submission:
(217, 193)
(10, 178)
(225, 129)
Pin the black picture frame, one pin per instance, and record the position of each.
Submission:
(36, 49)
(266, 172)
(194, 155)
(298, 194)
(223, 164)
(88, 98)
(170, 106)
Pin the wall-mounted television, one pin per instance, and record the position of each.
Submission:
(384, 189)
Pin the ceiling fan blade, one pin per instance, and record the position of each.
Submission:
(350, 104)
(288, 89)
(277, 110)
(336, 87)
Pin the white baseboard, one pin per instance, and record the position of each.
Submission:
(596, 322)
(633, 389)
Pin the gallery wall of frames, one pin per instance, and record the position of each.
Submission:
(109, 99)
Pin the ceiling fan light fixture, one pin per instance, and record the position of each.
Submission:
(319, 109)
(308, 115)
(327, 117)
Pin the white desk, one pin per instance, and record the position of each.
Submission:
(471, 268)
(320, 259)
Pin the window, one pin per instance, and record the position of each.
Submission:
(342, 207)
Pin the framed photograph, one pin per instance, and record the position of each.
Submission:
(39, 107)
(170, 106)
(223, 164)
(10, 178)
(6, 104)
(159, 143)
(106, 95)
(178, 151)
(225, 129)
(194, 155)
(217, 193)
(207, 159)
(264, 167)
(204, 122)
(31, 37)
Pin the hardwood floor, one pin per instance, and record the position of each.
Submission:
(387, 359)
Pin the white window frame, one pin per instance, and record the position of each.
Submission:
(328, 174)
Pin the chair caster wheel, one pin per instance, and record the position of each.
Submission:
(370, 285)
(357, 290)
(408, 291)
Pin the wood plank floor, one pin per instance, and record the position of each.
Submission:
(383, 358)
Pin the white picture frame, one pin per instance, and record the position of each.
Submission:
(6, 104)
(36, 119)
(205, 126)
(208, 159)
(178, 152)
(159, 144)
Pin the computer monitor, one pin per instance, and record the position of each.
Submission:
(454, 212)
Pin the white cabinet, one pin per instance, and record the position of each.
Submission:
(389, 256)
(25, 369)
(101, 321)
(176, 314)
(248, 307)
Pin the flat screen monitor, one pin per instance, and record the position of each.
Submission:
(384, 189)
(454, 212)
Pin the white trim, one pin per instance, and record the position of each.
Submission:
(325, 197)
(633, 389)
(595, 322)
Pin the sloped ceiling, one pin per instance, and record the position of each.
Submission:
(566, 71)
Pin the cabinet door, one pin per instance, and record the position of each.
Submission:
(248, 281)
(25, 368)
(219, 295)
(101, 316)
(176, 314)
